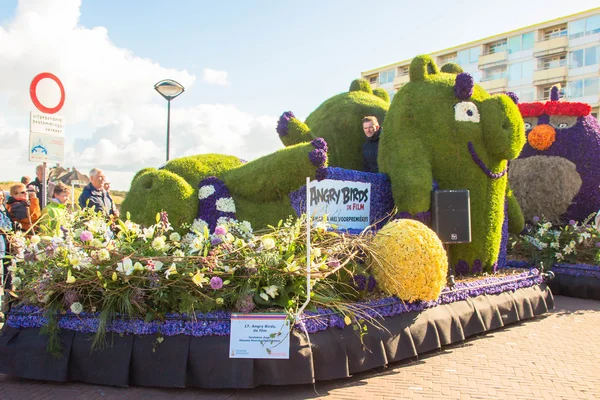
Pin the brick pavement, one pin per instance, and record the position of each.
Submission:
(552, 357)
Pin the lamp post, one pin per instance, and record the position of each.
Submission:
(169, 89)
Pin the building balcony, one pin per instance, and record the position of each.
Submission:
(497, 84)
(400, 80)
(550, 75)
(489, 60)
(550, 47)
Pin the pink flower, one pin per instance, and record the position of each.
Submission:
(86, 236)
(220, 230)
(216, 282)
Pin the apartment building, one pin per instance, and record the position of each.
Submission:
(526, 61)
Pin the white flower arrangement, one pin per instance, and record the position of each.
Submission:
(466, 111)
(226, 204)
(206, 191)
(199, 225)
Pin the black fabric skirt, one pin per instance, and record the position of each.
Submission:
(203, 362)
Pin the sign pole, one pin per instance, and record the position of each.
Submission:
(308, 226)
(43, 197)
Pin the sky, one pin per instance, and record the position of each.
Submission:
(242, 63)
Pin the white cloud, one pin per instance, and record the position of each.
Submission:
(215, 77)
(114, 120)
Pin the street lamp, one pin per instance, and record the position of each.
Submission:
(169, 89)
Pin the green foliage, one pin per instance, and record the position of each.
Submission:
(422, 141)
(516, 220)
(159, 190)
(451, 68)
(141, 172)
(298, 132)
(361, 85)
(272, 177)
(339, 121)
(195, 168)
(546, 244)
(382, 94)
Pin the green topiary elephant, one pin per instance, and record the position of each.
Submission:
(339, 121)
(443, 128)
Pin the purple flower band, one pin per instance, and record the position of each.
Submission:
(483, 167)
(282, 123)
(217, 323)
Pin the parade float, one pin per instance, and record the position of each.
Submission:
(227, 274)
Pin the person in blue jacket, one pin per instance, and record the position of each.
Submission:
(94, 195)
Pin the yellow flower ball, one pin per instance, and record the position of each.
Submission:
(411, 261)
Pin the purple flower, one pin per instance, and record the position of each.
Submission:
(321, 174)
(462, 267)
(216, 282)
(463, 86)
(477, 267)
(333, 263)
(282, 124)
(572, 222)
(216, 240)
(371, 283)
(359, 282)
(319, 143)
(86, 236)
(513, 96)
(318, 157)
(536, 219)
(220, 230)
(554, 94)
(597, 244)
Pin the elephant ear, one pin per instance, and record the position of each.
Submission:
(361, 85)
(422, 67)
(452, 68)
(382, 94)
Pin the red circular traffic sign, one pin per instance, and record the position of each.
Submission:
(35, 99)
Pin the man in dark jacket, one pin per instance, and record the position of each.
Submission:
(371, 146)
(94, 196)
(37, 184)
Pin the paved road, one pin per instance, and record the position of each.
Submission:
(552, 357)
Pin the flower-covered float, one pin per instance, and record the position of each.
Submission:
(556, 180)
(155, 299)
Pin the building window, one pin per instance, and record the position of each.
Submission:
(404, 71)
(584, 26)
(526, 95)
(387, 76)
(468, 56)
(592, 25)
(522, 70)
(497, 47)
(373, 80)
(474, 54)
(584, 87)
(553, 62)
(521, 42)
(555, 32)
(491, 74)
(584, 57)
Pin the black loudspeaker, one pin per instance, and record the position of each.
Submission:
(451, 215)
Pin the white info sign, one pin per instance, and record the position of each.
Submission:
(259, 336)
(347, 204)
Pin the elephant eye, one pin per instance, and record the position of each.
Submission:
(527, 125)
(562, 125)
(466, 111)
